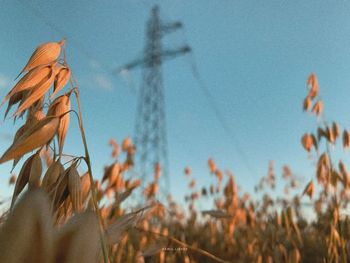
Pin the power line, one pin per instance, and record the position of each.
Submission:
(64, 33)
(221, 119)
(217, 112)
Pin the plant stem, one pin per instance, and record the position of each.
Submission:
(92, 183)
(178, 242)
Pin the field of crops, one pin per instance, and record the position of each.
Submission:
(60, 215)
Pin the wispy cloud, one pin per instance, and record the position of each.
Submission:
(103, 82)
(94, 64)
(5, 81)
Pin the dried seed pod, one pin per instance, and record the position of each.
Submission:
(187, 171)
(26, 235)
(33, 120)
(330, 135)
(321, 133)
(61, 79)
(116, 230)
(35, 172)
(37, 92)
(192, 184)
(44, 54)
(22, 179)
(115, 146)
(127, 143)
(318, 108)
(85, 186)
(12, 179)
(345, 174)
(20, 96)
(212, 165)
(309, 189)
(307, 141)
(313, 85)
(346, 139)
(33, 78)
(78, 240)
(307, 104)
(314, 141)
(36, 136)
(132, 185)
(335, 130)
(74, 188)
(60, 192)
(157, 171)
(112, 174)
(120, 197)
(51, 176)
(335, 177)
(59, 107)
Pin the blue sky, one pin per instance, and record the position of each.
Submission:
(254, 57)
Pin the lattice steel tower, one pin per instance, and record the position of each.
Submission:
(150, 137)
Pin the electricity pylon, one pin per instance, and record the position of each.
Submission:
(150, 130)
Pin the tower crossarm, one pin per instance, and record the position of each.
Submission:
(166, 54)
(170, 27)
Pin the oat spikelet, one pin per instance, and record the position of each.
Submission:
(115, 146)
(212, 165)
(78, 240)
(26, 236)
(35, 172)
(15, 98)
(61, 79)
(51, 176)
(309, 189)
(346, 139)
(85, 186)
(74, 188)
(22, 179)
(30, 80)
(318, 108)
(35, 137)
(307, 141)
(127, 143)
(58, 107)
(44, 54)
(37, 92)
(313, 85)
(116, 230)
(307, 104)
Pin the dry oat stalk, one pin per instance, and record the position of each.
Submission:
(155, 248)
(116, 230)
